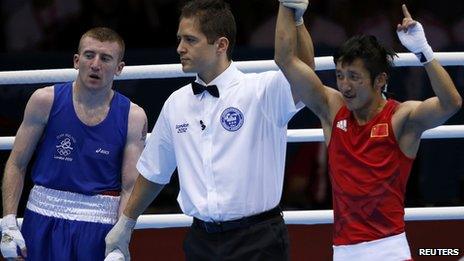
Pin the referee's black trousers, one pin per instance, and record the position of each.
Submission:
(265, 240)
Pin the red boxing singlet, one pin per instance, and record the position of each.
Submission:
(368, 172)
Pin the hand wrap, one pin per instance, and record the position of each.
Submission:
(299, 7)
(11, 237)
(119, 236)
(414, 40)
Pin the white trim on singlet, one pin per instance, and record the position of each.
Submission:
(393, 248)
(73, 206)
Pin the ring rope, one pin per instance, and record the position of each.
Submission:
(316, 135)
(304, 217)
(175, 70)
(297, 135)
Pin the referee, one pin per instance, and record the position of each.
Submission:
(226, 134)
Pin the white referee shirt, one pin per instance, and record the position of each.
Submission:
(229, 151)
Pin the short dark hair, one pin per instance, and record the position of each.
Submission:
(104, 34)
(215, 20)
(376, 57)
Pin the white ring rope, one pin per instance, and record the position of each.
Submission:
(316, 135)
(305, 217)
(298, 135)
(175, 70)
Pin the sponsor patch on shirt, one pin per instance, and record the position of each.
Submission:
(232, 119)
(379, 130)
(342, 125)
(182, 128)
(99, 150)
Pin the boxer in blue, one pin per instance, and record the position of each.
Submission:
(87, 139)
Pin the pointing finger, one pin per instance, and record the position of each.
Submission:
(405, 11)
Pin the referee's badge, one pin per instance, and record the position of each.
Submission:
(232, 119)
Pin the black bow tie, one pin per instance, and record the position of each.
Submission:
(198, 88)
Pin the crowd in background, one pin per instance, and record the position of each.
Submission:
(51, 25)
(39, 34)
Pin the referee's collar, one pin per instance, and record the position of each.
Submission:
(226, 79)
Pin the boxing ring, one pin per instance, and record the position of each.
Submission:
(174, 224)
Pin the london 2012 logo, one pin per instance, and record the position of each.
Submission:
(64, 147)
(232, 119)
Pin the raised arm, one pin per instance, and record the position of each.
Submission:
(436, 110)
(304, 82)
(136, 136)
(27, 137)
(305, 48)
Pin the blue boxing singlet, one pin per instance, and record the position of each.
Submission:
(75, 157)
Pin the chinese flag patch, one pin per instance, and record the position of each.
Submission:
(379, 130)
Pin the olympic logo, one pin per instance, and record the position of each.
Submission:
(64, 149)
